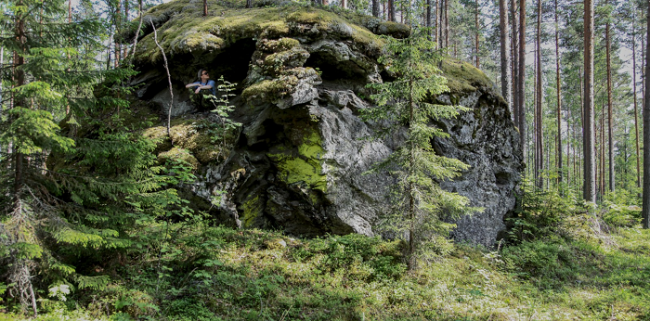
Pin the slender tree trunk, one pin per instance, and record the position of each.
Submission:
(539, 165)
(428, 20)
(125, 48)
(169, 79)
(646, 136)
(558, 81)
(412, 260)
(436, 34)
(568, 146)
(522, 74)
(118, 28)
(446, 23)
(610, 109)
(391, 10)
(515, 64)
(643, 72)
(20, 274)
(506, 79)
(205, 8)
(476, 25)
(589, 130)
(636, 111)
(582, 121)
(67, 107)
(603, 151)
(249, 3)
(375, 8)
(2, 61)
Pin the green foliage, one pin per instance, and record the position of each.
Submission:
(540, 214)
(222, 109)
(548, 260)
(419, 202)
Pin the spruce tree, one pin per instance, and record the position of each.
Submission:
(419, 201)
(69, 193)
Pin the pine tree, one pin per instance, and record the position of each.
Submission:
(405, 102)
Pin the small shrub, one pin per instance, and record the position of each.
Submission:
(538, 259)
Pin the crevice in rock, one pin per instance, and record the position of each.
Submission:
(233, 62)
(334, 70)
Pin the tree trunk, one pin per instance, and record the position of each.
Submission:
(391, 10)
(476, 24)
(515, 64)
(375, 8)
(429, 19)
(603, 151)
(125, 48)
(2, 60)
(646, 137)
(118, 29)
(344, 4)
(539, 165)
(20, 275)
(205, 7)
(412, 260)
(446, 23)
(558, 81)
(589, 130)
(522, 74)
(636, 110)
(506, 78)
(610, 111)
(249, 4)
(438, 23)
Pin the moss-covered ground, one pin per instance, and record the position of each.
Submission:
(565, 265)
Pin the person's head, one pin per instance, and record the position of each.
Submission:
(203, 75)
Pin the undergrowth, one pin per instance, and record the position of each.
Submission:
(560, 262)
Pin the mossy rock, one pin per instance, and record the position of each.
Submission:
(191, 135)
(271, 89)
(177, 153)
(305, 166)
(182, 28)
(463, 77)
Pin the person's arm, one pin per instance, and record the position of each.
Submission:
(194, 84)
(208, 86)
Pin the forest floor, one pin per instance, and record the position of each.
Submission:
(557, 266)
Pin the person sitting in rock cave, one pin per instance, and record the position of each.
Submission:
(203, 83)
(209, 88)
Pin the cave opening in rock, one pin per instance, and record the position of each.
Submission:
(334, 70)
(273, 134)
(233, 62)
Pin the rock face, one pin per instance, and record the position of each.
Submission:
(298, 161)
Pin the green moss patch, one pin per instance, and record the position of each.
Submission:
(191, 135)
(270, 89)
(177, 153)
(463, 77)
(306, 166)
(183, 29)
(251, 210)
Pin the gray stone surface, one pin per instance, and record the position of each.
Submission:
(300, 161)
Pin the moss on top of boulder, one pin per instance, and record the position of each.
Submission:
(182, 28)
(463, 77)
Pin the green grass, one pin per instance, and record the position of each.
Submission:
(216, 273)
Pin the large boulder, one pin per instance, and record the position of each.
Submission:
(298, 162)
